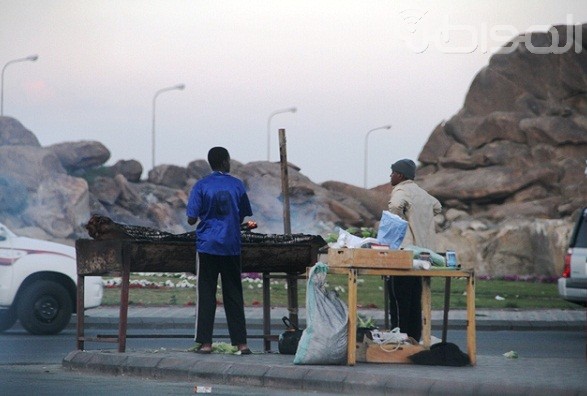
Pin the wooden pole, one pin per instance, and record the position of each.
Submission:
(284, 182)
(292, 281)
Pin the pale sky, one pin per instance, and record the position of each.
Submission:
(347, 66)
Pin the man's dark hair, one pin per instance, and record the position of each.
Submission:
(216, 156)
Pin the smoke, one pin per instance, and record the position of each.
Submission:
(13, 196)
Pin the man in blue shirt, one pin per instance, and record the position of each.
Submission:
(220, 202)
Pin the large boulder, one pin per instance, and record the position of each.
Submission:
(61, 206)
(105, 189)
(29, 165)
(13, 133)
(527, 247)
(130, 169)
(519, 144)
(373, 201)
(168, 175)
(199, 168)
(487, 184)
(531, 247)
(81, 155)
(13, 196)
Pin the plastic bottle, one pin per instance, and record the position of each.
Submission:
(451, 259)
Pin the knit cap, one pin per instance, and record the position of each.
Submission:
(406, 167)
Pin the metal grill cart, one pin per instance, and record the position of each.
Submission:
(142, 250)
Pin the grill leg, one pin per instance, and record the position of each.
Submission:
(292, 298)
(266, 312)
(122, 326)
(80, 311)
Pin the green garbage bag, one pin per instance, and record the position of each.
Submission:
(325, 338)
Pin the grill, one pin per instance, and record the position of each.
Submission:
(122, 249)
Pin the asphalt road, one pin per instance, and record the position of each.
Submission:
(47, 380)
(32, 364)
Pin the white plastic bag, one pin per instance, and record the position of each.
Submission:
(392, 230)
(436, 259)
(325, 338)
(348, 240)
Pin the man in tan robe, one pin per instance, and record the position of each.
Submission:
(417, 207)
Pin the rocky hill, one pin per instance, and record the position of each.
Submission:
(509, 169)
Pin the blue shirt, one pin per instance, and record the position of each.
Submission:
(221, 203)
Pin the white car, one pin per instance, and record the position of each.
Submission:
(38, 284)
(572, 286)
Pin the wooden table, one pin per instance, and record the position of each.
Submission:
(354, 272)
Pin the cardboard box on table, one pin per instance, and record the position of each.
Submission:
(371, 352)
(370, 258)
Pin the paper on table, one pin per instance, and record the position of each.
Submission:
(421, 264)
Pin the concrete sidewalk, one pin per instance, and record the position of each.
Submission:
(492, 374)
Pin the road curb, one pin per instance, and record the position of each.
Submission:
(278, 372)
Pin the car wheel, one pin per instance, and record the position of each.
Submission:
(44, 307)
(7, 318)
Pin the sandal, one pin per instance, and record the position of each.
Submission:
(246, 351)
(204, 350)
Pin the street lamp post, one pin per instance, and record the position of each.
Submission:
(289, 110)
(367, 152)
(178, 86)
(31, 58)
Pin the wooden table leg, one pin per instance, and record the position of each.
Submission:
(386, 320)
(471, 329)
(447, 286)
(352, 327)
(80, 312)
(427, 311)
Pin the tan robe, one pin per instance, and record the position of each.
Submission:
(417, 207)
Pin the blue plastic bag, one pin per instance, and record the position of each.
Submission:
(392, 230)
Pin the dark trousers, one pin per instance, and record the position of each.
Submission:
(229, 269)
(405, 304)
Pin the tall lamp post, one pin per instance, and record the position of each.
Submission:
(289, 110)
(367, 152)
(31, 58)
(179, 87)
